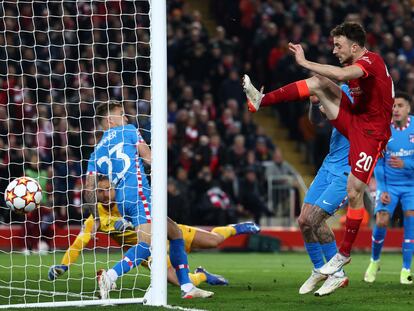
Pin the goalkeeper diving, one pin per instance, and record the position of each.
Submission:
(122, 231)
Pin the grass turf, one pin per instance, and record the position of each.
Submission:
(257, 282)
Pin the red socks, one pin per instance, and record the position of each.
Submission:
(353, 221)
(294, 91)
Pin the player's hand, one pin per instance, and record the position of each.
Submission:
(123, 225)
(385, 198)
(298, 52)
(396, 162)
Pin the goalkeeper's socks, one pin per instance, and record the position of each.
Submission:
(329, 250)
(295, 91)
(352, 223)
(315, 254)
(378, 236)
(225, 232)
(179, 261)
(408, 244)
(132, 258)
(197, 278)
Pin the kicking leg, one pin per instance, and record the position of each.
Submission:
(325, 89)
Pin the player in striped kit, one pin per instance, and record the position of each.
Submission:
(395, 183)
(120, 155)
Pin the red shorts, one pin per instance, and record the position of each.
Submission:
(364, 150)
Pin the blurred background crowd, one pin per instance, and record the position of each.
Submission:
(59, 59)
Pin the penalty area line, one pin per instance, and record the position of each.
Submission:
(40, 291)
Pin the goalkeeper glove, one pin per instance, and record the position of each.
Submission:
(123, 225)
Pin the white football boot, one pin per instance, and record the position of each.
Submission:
(253, 95)
(335, 264)
(311, 282)
(333, 282)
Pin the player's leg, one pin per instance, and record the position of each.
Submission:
(313, 248)
(72, 253)
(136, 254)
(212, 239)
(382, 218)
(312, 245)
(363, 156)
(329, 203)
(407, 201)
(179, 261)
(325, 89)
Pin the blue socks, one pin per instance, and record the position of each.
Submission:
(378, 236)
(132, 258)
(408, 243)
(329, 250)
(179, 261)
(315, 254)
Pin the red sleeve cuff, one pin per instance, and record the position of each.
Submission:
(363, 69)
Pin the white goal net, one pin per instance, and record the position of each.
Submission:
(58, 59)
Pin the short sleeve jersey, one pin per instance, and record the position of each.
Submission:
(373, 95)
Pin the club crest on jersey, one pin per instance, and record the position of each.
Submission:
(412, 138)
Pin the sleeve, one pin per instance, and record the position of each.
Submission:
(379, 173)
(92, 167)
(367, 64)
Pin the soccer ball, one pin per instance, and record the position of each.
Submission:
(23, 195)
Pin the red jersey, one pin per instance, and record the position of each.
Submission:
(373, 96)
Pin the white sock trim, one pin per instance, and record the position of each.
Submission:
(113, 276)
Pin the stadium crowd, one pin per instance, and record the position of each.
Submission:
(57, 60)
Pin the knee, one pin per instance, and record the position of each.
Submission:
(382, 220)
(174, 232)
(318, 82)
(354, 194)
(303, 222)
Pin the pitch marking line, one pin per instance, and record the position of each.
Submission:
(40, 291)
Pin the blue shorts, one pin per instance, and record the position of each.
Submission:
(134, 204)
(328, 191)
(405, 195)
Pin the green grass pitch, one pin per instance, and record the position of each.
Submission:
(257, 282)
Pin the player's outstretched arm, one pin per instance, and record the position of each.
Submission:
(333, 72)
(90, 200)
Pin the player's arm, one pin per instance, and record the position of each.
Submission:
(333, 72)
(397, 162)
(90, 200)
(145, 152)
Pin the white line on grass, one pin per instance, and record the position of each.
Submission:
(40, 291)
(181, 308)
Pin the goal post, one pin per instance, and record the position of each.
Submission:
(61, 59)
(158, 291)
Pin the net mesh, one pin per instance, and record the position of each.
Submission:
(58, 59)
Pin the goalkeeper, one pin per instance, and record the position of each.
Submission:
(123, 233)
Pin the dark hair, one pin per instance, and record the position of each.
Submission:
(103, 108)
(101, 177)
(400, 94)
(352, 31)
